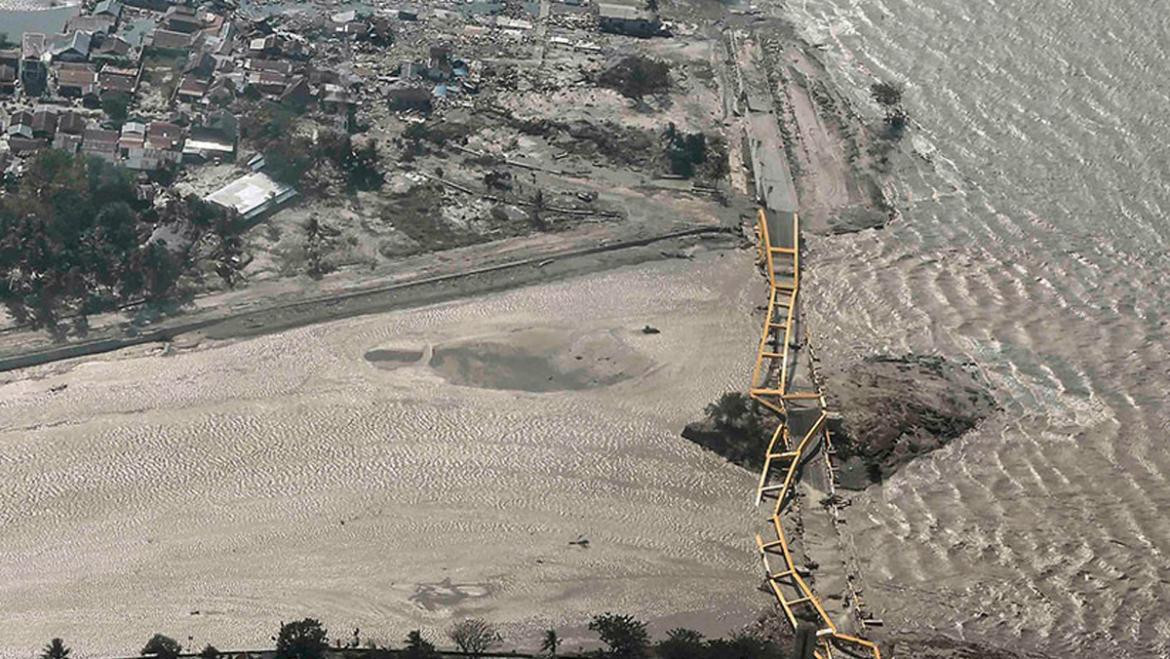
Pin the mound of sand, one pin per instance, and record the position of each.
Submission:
(894, 409)
(540, 360)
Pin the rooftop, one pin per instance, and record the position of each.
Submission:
(252, 194)
(622, 12)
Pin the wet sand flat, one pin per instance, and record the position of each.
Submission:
(210, 492)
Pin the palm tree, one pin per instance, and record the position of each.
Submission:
(55, 650)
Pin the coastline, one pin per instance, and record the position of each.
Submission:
(446, 282)
(37, 5)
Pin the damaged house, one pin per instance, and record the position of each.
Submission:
(625, 19)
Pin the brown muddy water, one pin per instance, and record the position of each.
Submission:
(1033, 240)
(389, 472)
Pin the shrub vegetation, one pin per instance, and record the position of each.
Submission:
(75, 241)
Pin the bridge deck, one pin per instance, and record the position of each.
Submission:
(802, 431)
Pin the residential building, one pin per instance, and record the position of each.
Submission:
(67, 142)
(133, 137)
(111, 8)
(44, 124)
(20, 125)
(204, 146)
(151, 160)
(273, 65)
(7, 80)
(71, 123)
(100, 143)
(34, 72)
(169, 40)
(181, 18)
(10, 57)
(73, 47)
(336, 99)
(627, 19)
(164, 135)
(215, 139)
(268, 82)
(191, 90)
(297, 92)
(22, 146)
(200, 64)
(113, 49)
(252, 195)
(90, 23)
(117, 80)
(78, 80)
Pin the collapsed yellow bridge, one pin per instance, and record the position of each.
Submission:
(802, 430)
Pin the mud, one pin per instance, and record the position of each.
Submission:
(541, 360)
(390, 359)
(895, 409)
(290, 475)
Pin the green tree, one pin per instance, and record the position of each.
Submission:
(682, 644)
(685, 151)
(289, 158)
(74, 241)
(316, 241)
(734, 411)
(418, 647)
(744, 647)
(264, 122)
(636, 76)
(624, 636)
(162, 647)
(363, 167)
(55, 650)
(889, 96)
(116, 105)
(5, 42)
(302, 639)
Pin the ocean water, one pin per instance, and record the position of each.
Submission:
(1032, 240)
(17, 19)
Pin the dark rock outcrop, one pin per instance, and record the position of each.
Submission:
(894, 409)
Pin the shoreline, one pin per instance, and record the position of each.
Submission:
(539, 267)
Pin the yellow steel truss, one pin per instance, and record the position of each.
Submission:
(771, 377)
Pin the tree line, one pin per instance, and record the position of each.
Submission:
(621, 637)
(76, 240)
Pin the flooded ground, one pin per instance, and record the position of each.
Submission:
(1032, 240)
(210, 492)
(18, 17)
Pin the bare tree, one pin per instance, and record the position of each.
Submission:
(551, 643)
(536, 211)
(474, 636)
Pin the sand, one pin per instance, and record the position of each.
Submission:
(209, 490)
